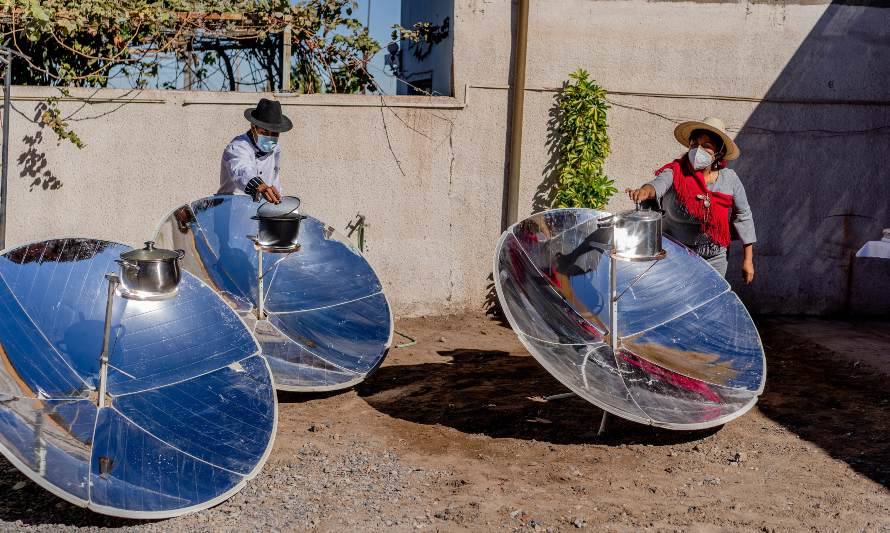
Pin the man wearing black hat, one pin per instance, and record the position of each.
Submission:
(250, 162)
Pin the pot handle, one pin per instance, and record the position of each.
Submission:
(126, 264)
(605, 222)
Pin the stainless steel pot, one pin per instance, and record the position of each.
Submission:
(638, 235)
(150, 272)
(279, 224)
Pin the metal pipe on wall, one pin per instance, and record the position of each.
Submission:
(516, 115)
(5, 168)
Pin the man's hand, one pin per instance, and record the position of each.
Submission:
(646, 192)
(270, 193)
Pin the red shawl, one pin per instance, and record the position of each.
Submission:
(710, 207)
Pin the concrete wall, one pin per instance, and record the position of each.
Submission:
(816, 173)
(430, 177)
(431, 229)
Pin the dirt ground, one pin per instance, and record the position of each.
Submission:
(453, 434)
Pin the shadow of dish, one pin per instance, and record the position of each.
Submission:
(501, 396)
(32, 505)
(842, 408)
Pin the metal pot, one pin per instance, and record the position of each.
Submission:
(150, 272)
(638, 235)
(279, 224)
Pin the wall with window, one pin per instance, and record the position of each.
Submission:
(805, 85)
(426, 68)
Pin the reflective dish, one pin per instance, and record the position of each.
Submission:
(689, 354)
(326, 321)
(190, 410)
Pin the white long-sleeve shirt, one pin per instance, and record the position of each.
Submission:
(244, 167)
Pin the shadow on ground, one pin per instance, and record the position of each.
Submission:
(306, 397)
(499, 395)
(31, 505)
(832, 402)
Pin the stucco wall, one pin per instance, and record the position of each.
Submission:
(816, 173)
(430, 230)
(817, 192)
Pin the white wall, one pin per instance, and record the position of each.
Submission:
(430, 230)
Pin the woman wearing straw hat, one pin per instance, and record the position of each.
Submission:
(701, 198)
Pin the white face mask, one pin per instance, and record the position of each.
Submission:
(700, 158)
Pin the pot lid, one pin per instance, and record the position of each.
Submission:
(150, 253)
(639, 215)
(288, 208)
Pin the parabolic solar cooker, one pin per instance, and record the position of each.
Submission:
(649, 334)
(310, 298)
(127, 386)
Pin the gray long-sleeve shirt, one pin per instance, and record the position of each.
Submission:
(685, 228)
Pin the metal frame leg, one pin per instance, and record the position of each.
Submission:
(562, 396)
(613, 302)
(113, 281)
(602, 428)
(260, 304)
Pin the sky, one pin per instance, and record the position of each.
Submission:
(384, 13)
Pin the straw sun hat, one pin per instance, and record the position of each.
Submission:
(714, 125)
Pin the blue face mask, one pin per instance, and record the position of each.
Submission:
(266, 143)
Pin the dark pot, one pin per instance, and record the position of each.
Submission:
(279, 224)
(279, 232)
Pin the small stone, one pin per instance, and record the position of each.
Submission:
(20, 485)
(579, 523)
(516, 513)
(441, 339)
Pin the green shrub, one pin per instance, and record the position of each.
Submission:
(583, 145)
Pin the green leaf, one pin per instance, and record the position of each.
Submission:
(37, 11)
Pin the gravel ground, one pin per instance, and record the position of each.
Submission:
(453, 434)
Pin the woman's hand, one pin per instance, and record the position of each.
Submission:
(748, 264)
(646, 192)
(270, 193)
(748, 271)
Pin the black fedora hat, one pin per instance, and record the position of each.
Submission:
(267, 115)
